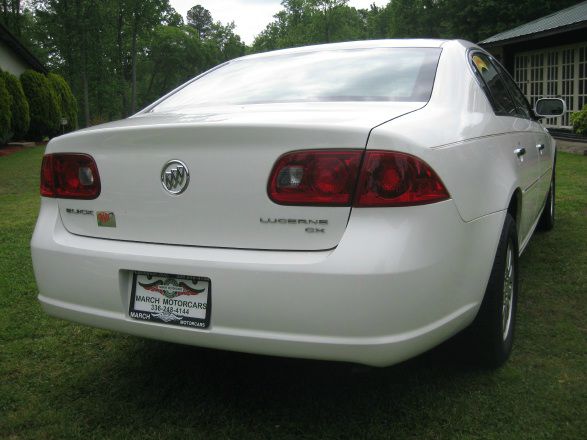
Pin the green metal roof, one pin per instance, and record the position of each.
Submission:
(572, 16)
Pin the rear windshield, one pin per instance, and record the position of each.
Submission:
(380, 74)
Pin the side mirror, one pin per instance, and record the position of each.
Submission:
(550, 107)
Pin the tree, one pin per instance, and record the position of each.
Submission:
(65, 99)
(19, 107)
(43, 103)
(171, 17)
(200, 19)
(227, 43)
(5, 113)
(415, 19)
(327, 9)
(145, 14)
(303, 22)
(476, 20)
(10, 15)
(75, 36)
(175, 55)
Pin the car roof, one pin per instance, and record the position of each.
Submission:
(364, 44)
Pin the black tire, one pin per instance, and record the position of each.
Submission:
(546, 222)
(491, 334)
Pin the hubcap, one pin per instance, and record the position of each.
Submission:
(508, 293)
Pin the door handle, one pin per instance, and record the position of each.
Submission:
(540, 147)
(520, 151)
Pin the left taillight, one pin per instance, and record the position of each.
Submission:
(70, 176)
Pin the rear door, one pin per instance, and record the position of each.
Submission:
(521, 141)
(541, 139)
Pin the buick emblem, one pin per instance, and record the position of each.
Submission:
(175, 177)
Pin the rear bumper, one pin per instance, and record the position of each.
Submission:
(400, 282)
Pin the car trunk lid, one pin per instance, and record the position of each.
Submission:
(229, 154)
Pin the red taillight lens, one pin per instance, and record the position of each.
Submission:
(323, 177)
(389, 178)
(315, 177)
(70, 176)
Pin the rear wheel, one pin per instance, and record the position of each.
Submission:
(492, 333)
(546, 222)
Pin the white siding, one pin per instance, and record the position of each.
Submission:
(11, 62)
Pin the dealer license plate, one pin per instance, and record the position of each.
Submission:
(171, 299)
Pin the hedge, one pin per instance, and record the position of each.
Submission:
(5, 113)
(43, 104)
(20, 106)
(67, 102)
(579, 121)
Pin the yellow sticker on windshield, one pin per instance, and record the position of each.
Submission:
(480, 63)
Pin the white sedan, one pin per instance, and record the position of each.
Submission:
(358, 202)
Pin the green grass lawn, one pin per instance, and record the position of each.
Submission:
(62, 380)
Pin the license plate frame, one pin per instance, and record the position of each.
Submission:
(167, 297)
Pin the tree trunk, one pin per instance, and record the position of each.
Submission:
(16, 17)
(86, 93)
(133, 94)
(119, 42)
(86, 99)
(5, 10)
(152, 80)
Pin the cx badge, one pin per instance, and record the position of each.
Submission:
(175, 177)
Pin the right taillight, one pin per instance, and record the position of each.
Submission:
(389, 178)
(337, 178)
(70, 176)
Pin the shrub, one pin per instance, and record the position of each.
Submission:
(67, 102)
(5, 113)
(579, 121)
(20, 106)
(43, 103)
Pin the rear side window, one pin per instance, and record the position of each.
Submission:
(517, 95)
(377, 74)
(495, 86)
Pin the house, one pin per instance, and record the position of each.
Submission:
(548, 57)
(14, 57)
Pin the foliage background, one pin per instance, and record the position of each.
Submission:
(20, 107)
(579, 121)
(65, 100)
(5, 114)
(43, 103)
(120, 55)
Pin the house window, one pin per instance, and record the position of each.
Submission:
(552, 72)
(557, 72)
(521, 73)
(536, 78)
(582, 77)
(568, 82)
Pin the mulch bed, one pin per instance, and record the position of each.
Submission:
(7, 150)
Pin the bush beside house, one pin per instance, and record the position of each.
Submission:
(5, 113)
(66, 100)
(34, 106)
(579, 121)
(20, 106)
(43, 104)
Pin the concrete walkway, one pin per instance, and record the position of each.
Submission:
(571, 146)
